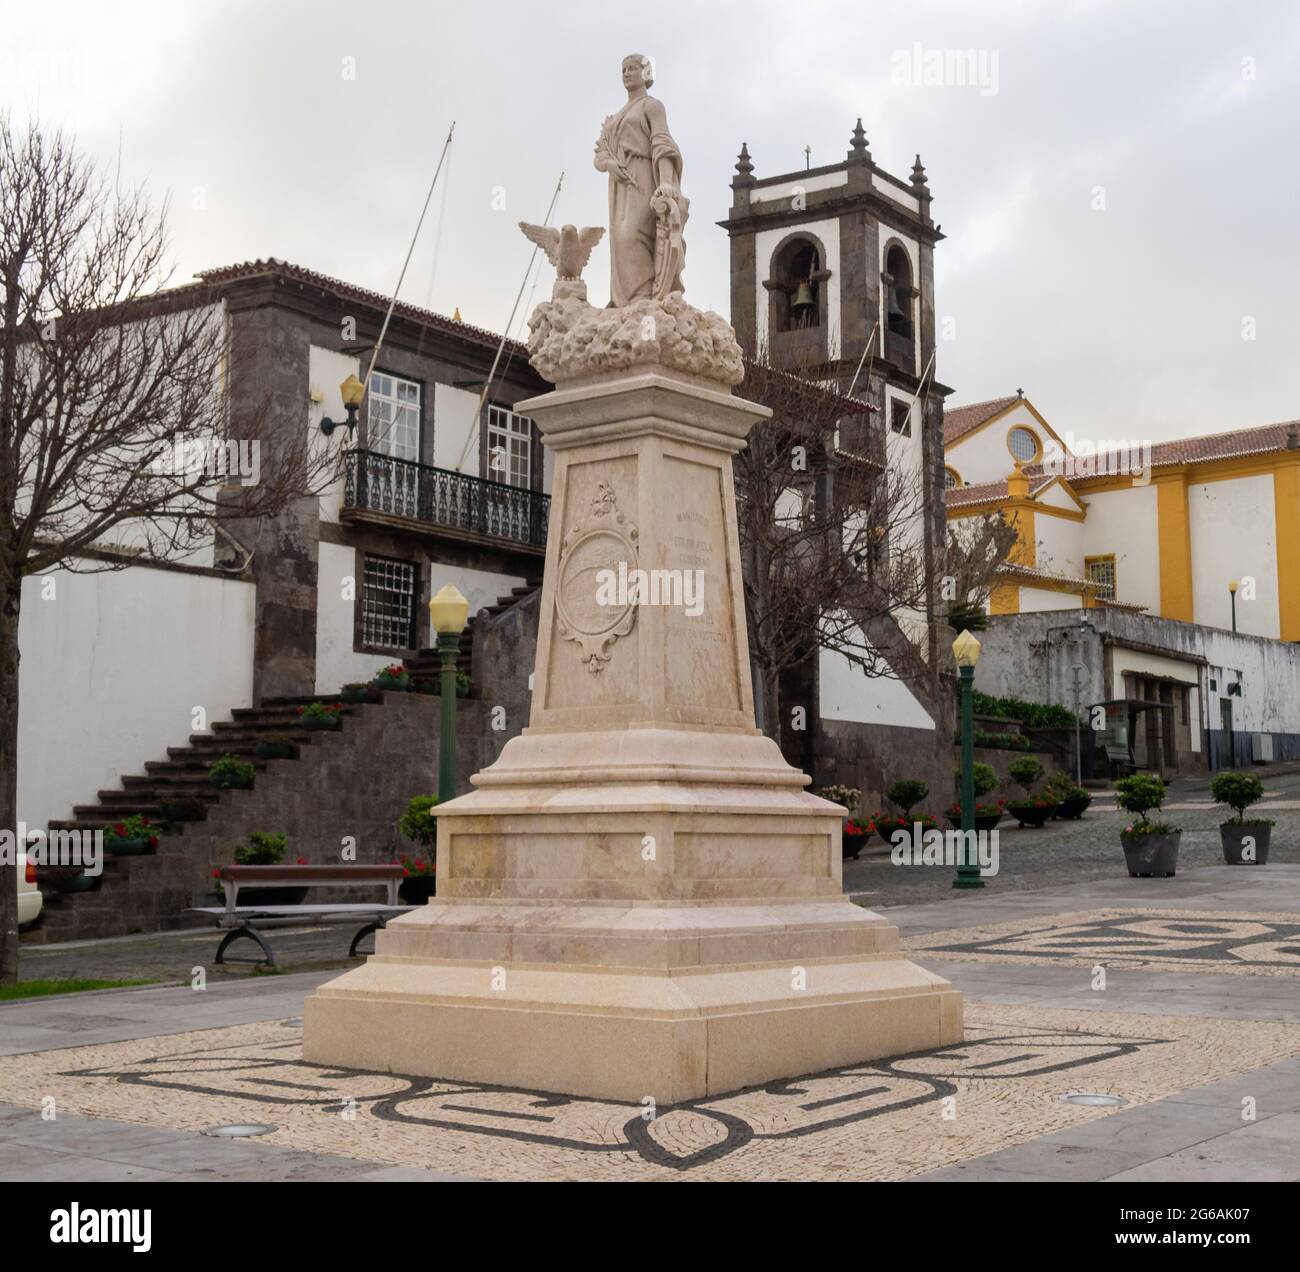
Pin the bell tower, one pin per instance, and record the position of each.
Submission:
(832, 275)
(826, 260)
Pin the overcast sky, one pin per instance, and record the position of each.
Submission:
(1124, 321)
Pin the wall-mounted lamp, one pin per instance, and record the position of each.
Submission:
(353, 392)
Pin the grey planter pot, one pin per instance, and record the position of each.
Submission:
(1232, 834)
(1154, 856)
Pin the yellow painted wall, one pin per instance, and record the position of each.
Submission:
(1175, 548)
(1286, 508)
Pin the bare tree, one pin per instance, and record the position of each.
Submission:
(116, 432)
(830, 535)
(974, 548)
(833, 542)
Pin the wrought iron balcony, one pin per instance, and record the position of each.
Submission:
(439, 497)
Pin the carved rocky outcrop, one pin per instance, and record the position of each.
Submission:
(570, 340)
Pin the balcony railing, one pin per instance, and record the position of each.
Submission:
(439, 497)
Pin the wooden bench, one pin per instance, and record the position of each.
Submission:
(244, 921)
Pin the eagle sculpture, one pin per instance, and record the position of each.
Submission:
(567, 248)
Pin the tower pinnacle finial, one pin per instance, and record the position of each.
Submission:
(918, 174)
(858, 152)
(743, 165)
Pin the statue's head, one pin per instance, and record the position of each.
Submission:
(638, 71)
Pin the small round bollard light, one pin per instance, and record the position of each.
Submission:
(966, 649)
(1095, 1100)
(239, 1130)
(448, 611)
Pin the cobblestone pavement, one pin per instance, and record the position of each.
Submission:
(1066, 852)
(884, 1120)
(1196, 1021)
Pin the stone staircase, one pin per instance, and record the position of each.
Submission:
(356, 778)
(425, 667)
(150, 892)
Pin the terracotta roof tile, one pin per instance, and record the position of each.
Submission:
(982, 492)
(960, 420)
(1261, 440)
(271, 267)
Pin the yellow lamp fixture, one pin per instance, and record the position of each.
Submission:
(448, 611)
(353, 392)
(966, 649)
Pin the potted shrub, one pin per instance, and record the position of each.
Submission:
(393, 678)
(264, 848)
(854, 834)
(419, 880)
(904, 795)
(987, 816)
(1150, 848)
(1033, 810)
(275, 749)
(183, 809)
(67, 878)
(131, 837)
(320, 715)
(1074, 802)
(229, 773)
(1245, 840)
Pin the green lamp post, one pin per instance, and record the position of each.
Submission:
(447, 613)
(1232, 592)
(966, 650)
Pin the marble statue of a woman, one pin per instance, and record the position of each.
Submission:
(647, 210)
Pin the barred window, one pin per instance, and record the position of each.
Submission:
(1101, 570)
(388, 603)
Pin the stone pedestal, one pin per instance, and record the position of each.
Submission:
(639, 898)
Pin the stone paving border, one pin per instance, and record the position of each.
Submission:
(1034, 941)
(885, 1120)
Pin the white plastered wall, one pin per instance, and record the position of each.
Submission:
(1234, 536)
(113, 669)
(1125, 522)
(846, 694)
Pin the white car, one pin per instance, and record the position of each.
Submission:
(29, 895)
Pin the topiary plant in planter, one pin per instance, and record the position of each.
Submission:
(1245, 840)
(229, 773)
(419, 823)
(853, 835)
(988, 815)
(1033, 810)
(1150, 848)
(265, 848)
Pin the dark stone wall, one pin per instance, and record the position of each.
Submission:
(269, 384)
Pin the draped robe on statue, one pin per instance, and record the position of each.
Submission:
(645, 258)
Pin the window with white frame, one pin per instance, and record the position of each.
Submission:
(393, 416)
(509, 447)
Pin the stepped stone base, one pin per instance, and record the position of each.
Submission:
(633, 1000)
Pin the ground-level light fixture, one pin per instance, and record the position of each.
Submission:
(239, 1130)
(1094, 1100)
(352, 392)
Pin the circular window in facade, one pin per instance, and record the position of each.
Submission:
(1023, 444)
(950, 479)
